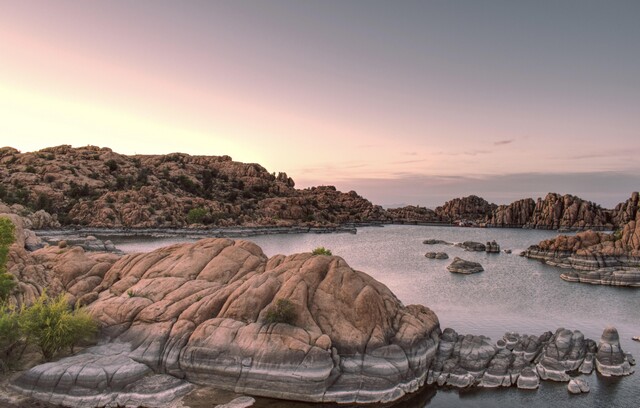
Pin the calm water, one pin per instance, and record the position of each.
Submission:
(512, 294)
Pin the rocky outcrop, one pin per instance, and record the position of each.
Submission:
(595, 257)
(555, 211)
(610, 359)
(177, 310)
(96, 187)
(515, 215)
(471, 209)
(467, 360)
(459, 265)
(413, 215)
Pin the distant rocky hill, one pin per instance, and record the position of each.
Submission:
(471, 208)
(555, 211)
(96, 187)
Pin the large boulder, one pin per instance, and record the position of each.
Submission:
(204, 312)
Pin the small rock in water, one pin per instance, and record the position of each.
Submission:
(610, 359)
(492, 247)
(578, 386)
(436, 255)
(460, 265)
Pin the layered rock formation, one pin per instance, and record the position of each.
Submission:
(201, 312)
(522, 360)
(596, 257)
(97, 187)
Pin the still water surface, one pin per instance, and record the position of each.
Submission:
(512, 294)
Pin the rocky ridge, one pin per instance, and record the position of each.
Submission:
(96, 187)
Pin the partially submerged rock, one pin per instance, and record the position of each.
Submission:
(578, 386)
(492, 247)
(610, 359)
(472, 246)
(436, 255)
(460, 265)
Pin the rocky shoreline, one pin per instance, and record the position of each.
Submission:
(206, 313)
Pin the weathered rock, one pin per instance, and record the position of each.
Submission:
(597, 258)
(178, 308)
(100, 376)
(412, 215)
(492, 247)
(578, 386)
(460, 265)
(436, 255)
(565, 352)
(96, 187)
(436, 242)
(467, 210)
(553, 212)
(610, 359)
(472, 246)
(528, 379)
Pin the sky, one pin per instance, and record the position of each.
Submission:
(407, 102)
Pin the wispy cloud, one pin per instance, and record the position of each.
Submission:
(503, 142)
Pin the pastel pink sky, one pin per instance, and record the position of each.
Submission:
(405, 103)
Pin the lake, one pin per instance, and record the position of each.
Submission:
(512, 294)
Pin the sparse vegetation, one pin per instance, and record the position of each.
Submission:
(321, 251)
(7, 237)
(196, 215)
(282, 312)
(48, 324)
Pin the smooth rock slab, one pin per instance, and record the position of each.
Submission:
(240, 402)
(460, 265)
(100, 376)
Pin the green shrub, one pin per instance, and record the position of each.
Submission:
(7, 237)
(51, 325)
(321, 251)
(10, 336)
(196, 215)
(282, 312)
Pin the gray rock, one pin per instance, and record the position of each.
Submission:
(472, 246)
(460, 265)
(578, 386)
(100, 376)
(610, 359)
(435, 242)
(528, 379)
(436, 255)
(492, 247)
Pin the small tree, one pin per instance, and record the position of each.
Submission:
(321, 251)
(282, 312)
(196, 215)
(10, 336)
(7, 237)
(51, 325)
